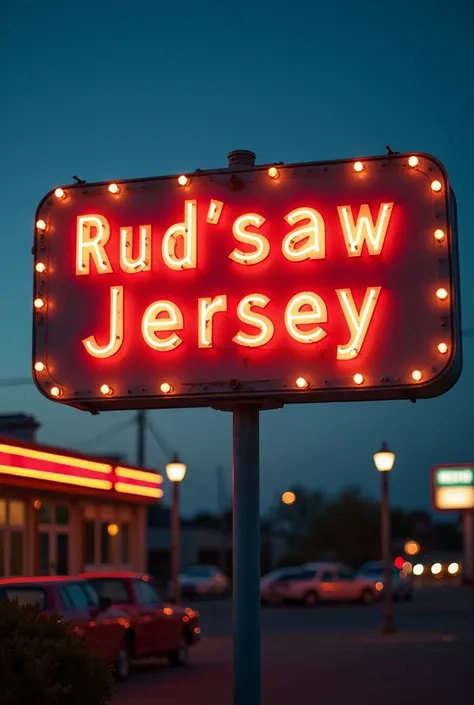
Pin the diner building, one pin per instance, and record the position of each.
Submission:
(62, 513)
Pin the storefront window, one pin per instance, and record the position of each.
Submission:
(105, 543)
(12, 520)
(62, 554)
(43, 553)
(89, 542)
(16, 513)
(62, 515)
(125, 541)
(44, 514)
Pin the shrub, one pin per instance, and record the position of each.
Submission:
(43, 663)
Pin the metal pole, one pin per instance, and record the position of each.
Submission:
(222, 507)
(468, 527)
(246, 545)
(388, 626)
(141, 439)
(175, 543)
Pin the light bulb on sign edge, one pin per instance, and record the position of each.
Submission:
(439, 234)
(273, 172)
(166, 387)
(56, 392)
(38, 303)
(358, 166)
(436, 186)
(417, 375)
(41, 224)
(40, 267)
(106, 390)
(413, 161)
(114, 188)
(60, 193)
(358, 378)
(442, 294)
(442, 348)
(183, 180)
(40, 366)
(302, 383)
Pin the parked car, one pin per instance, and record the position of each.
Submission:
(320, 582)
(266, 582)
(402, 583)
(105, 628)
(156, 628)
(203, 580)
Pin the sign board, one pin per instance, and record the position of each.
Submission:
(453, 487)
(333, 281)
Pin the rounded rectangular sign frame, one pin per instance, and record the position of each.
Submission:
(309, 282)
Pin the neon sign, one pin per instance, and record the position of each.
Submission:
(453, 487)
(307, 282)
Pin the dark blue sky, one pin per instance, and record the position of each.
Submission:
(110, 90)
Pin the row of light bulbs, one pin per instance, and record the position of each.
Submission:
(166, 388)
(273, 173)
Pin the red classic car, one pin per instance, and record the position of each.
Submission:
(103, 627)
(156, 628)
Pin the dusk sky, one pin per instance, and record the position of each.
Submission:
(112, 90)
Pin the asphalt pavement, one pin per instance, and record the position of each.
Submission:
(329, 654)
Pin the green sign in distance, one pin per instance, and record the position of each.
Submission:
(454, 477)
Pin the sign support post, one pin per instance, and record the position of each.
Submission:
(468, 530)
(246, 555)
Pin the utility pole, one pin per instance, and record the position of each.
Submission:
(221, 500)
(141, 439)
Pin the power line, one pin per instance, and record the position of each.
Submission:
(160, 440)
(106, 432)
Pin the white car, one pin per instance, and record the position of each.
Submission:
(266, 582)
(402, 584)
(321, 582)
(203, 580)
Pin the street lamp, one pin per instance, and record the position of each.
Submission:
(175, 471)
(384, 460)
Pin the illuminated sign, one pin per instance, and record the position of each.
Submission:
(74, 471)
(305, 282)
(453, 487)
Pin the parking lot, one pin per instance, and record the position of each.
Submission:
(332, 654)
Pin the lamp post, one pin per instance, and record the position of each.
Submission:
(384, 460)
(175, 471)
